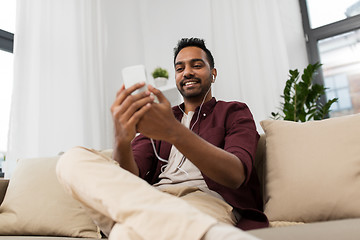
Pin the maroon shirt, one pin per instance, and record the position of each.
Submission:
(230, 126)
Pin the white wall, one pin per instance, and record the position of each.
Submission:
(161, 23)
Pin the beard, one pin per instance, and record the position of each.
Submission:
(197, 93)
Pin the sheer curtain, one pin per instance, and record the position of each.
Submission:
(69, 55)
(59, 91)
(251, 53)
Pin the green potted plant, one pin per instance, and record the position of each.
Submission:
(160, 76)
(301, 97)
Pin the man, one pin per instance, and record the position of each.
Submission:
(198, 156)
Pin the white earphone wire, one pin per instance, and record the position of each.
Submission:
(183, 158)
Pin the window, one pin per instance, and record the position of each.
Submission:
(338, 87)
(323, 12)
(333, 38)
(7, 29)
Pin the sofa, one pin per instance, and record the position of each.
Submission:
(309, 173)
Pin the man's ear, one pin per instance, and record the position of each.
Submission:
(214, 74)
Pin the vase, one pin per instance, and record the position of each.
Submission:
(160, 81)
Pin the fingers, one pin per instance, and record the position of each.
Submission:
(135, 118)
(161, 97)
(125, 104)
(126, 115)
(132, 104)
(120, 90)
(127, 109)
(123, 92)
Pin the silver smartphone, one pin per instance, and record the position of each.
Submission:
(134, 74)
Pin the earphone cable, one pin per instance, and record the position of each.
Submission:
(197, 118)
(183, 158)
(158, 157)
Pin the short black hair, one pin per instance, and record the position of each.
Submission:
(194, 42)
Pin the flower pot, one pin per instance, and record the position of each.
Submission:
(160, 81)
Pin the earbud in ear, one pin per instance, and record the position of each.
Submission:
(213, 78)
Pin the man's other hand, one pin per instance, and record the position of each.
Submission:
(159, 119)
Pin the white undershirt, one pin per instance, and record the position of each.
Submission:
(186, 175)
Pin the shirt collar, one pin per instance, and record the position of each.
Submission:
(206, 108)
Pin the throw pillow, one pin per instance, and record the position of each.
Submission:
(36, 204)
(312, 169)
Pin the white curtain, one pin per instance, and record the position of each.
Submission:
(59, 91)
(69, 55)
(251, 54)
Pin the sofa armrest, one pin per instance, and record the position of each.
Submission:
(3, 186)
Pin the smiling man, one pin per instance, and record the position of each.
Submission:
(194, 72)
(196, 160)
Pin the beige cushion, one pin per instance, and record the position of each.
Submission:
(275, 224)
(312, 169)
(36, 204)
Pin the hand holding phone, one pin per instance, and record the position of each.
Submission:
(134, 74)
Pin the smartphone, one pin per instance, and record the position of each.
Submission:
(134, 74)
